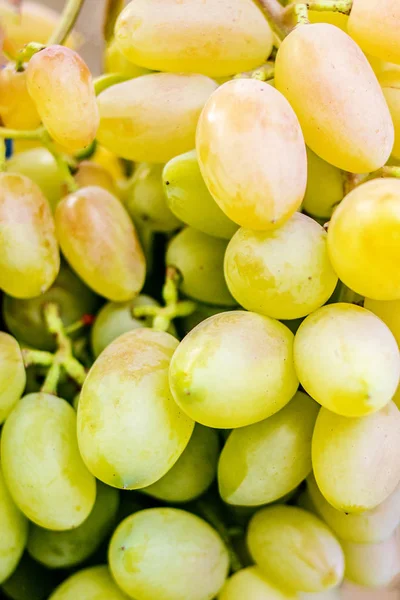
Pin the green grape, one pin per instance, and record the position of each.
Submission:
(324, 187)
(202, 312)
(295, 549)
(168, 554)
(25, 318)
(262, 462)
(14, 531)
(356, 461)
(94, 583)
(146, 201)
(193, 472)
(12, 374)
(251, 584)
(64, 549)
(199, 259)
(234, 369)
(285, 273)
(30, 581)
(91, 173)
(388, 312)
(347, 359)
(42, 466)
(189, 199)
(368, 527)
(115, 62)
(130, 431)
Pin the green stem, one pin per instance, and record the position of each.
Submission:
(37, 357)
(103, 82)
(22, 134)
(70, 13)
(347, 295)
(275, 14)
(111, 12)
(26, 53)
(341, 6)
(264, 73)
(87, 152)
(51, 380)
(300, 14)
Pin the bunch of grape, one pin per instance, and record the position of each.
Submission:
(200, 278)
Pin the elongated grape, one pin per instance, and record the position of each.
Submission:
(189, 199)
(285, 273)
(154, 117)
(388, 312)
(42, 465)
(99, 241)
(390, 82)
(251, 583)
(295, 549)
(356, 461)
(130, 431)
(362, 239)
(167, 554)
(222, 383)
(90, 173)
(324, 187)
(337, 99)
(60, 84)
(29, 257)
(30, 581)
(115, 62)
(94, 583)
(199, 259)
(17, 109)
(193, 472)
(12, 374)
(257, 129)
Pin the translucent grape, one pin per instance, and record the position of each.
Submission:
(115, 62)
(130, 431)
(388, 312)
(29, 257)
(258, 130)
(390, 82)
(362, 239)
(216, 37)
(94, 583)
(90, 173)
(262, 462)
(324, 187)
(154, 117)
(30, 581)
(356, 461)
(60, 84)
(190, 200)
(199, 259)
(12, 374)
(234, 369)
(295, 549)
(337, 98)
(285, 273)
(168, 554)
(251, 583)
(99, 241)
(17, 109)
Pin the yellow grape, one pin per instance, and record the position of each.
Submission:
(190, 200)
(388, 312)
(262, 462)
(168, 554)
(130, 431)
(213, 37)
(17, 109)
(109, 161)
(250, 583)
(368, 527)
(284, 273)
(258, 130)
(234, 369)
(347, 359)
(60, 84)
(154, 117)
(193, 472)
(356, 461)
(99, 241)
(93, 583)
(29, 257)
(363, 239)
(390, 82)
(12, 374)
(336, 96)
(115, 62)
(42, 465)
(324, 187)
(295, 549)
(327, 16)
(90, 173)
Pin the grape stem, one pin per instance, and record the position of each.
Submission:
(353, 180)
(70, 14)
(22, 134)
(26, 53)
(61, 161)
(275, 15)
(105, 81)
(264, 73)
(111, 12)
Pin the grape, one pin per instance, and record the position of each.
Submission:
(12, 374)
(99, 241)
(29, 258)
(29, 581)
(146, 201)
(347, 359)
(199, 258)
(14, 531)
(295, 549)
(152, 118)
(60, 85)
(337, 98)
(94, 583)
(168, 554)
(130, 431)
(369, 527)
(258, 130)
(357, 461)
(17, 109)
(64, 549)
(190, 200)
(262, 462)
(42, 466)
(324, 187)
(390, 82)
(202, 312)
(234, 369)
(115, 62)
(285, 273)
(363, 239)
(193, 472)
(327, 16)
(251, 584)
(388, 312)
(213, 37)
(90, 173)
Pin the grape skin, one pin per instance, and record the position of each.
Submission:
(12, 374)
(250, 583)
(93, 583)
